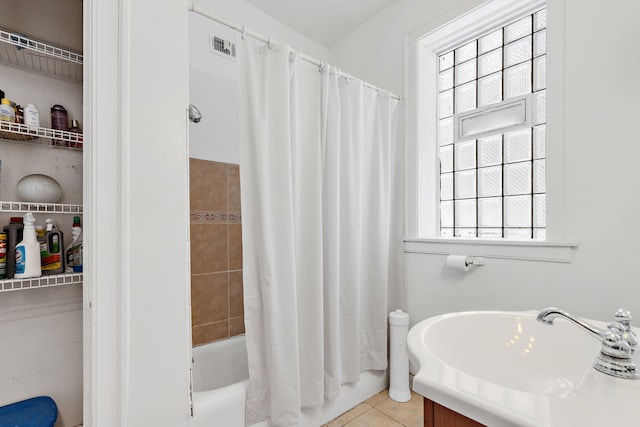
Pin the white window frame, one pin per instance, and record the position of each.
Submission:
(422, 184)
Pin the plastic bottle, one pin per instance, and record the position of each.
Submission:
(51, 250)
(73, 255)
(28, 251)
(7, 113)
(19, 114)
(14, 236)
(3, 255)
(59, 119)
(31, 116)
(40, 233)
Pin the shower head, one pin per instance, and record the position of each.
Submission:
(194, 114)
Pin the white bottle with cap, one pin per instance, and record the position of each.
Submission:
(28, 251)
(31, 116)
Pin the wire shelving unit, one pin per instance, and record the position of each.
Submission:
(38, 56)
(7, 285)
(56, 138)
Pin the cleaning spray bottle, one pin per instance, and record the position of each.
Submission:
(51, 250)
(28, 251)
(73, 255)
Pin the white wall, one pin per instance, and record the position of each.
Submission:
(212, 78)
(374, 52)
(136, 330)
(153, 232)
(602, 202)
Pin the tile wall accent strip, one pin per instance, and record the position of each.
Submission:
(202, 217)
(234, 218)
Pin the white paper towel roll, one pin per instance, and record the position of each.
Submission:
(458, 262)
(399, 376)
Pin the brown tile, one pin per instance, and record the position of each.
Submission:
(408, 413)
(350, 415)
(209, 298)
(234, 188)
(378, 398)
(209, 332)
(236, 302)
(209, 248)
(235, 247)
(416, 399)
(236, 326)
(373, 418)
(208, 185)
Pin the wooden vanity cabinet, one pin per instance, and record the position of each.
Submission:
(436, 415)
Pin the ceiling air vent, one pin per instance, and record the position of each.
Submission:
(222, 46)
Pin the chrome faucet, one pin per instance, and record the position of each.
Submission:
(619, 341)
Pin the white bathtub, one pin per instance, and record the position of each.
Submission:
(221, 378)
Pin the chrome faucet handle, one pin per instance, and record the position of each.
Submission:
(618, 342)
(623, 323)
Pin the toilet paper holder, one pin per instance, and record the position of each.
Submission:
(475, 260)
(463, 262)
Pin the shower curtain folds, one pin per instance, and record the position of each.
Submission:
(320, 165)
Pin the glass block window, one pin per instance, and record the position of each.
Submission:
(494, 186)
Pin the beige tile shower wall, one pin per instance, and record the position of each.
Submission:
(217, 310)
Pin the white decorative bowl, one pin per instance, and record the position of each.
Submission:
(38, 188)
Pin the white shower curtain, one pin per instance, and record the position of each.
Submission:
(320, 172)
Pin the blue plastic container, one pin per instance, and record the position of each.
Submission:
(35, 412)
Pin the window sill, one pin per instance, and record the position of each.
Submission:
(503, 249)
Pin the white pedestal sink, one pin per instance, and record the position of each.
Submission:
(508, 369)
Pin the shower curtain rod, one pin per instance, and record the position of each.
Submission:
(246, 32)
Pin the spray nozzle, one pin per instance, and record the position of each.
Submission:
(50, 225)
(29, 220)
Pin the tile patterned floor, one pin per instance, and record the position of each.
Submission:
(382, 411)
